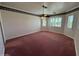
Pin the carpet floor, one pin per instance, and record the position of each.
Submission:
(41, 43)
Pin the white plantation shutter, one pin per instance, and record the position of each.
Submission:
(70, 21)
(55, 21)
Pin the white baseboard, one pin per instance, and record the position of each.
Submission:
(22, 35)
(76, 48)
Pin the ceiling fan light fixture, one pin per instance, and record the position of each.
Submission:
(44, 6)
(45, 15)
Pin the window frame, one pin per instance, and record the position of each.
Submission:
(55, 25)
(71, 27)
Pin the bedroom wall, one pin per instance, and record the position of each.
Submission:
(17, 24)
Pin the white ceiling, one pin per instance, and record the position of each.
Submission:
(36, 7)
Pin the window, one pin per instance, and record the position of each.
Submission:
(44, 21)
(70, 21)
(56, 21)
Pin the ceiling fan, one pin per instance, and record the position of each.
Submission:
(44, 6)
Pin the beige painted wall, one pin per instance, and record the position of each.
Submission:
(16, 24)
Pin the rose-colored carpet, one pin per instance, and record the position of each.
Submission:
(41, 44)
